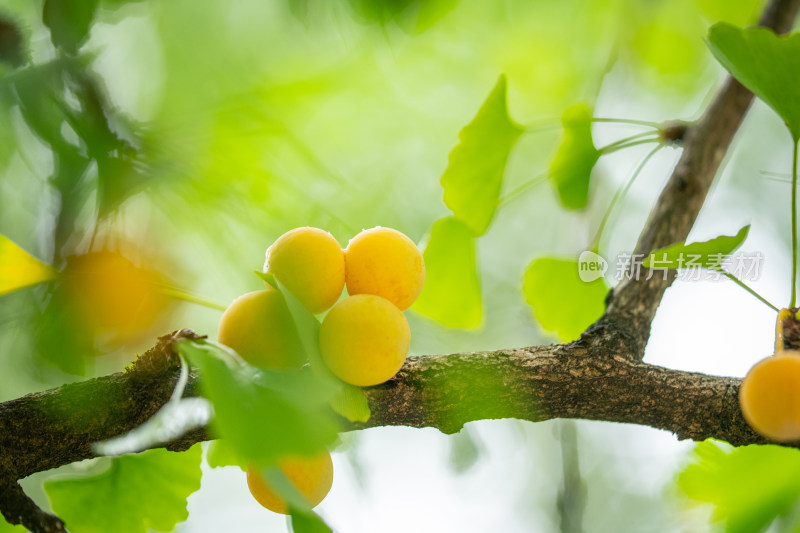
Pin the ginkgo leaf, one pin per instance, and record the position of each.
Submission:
(222, 453)
(303, 518)
(138, 492)
(265, 414)
(561, 301)
(452, 291)
(765, 63)
(351, 402)
(348, 400)
(572, 166)
(20, 269)
(706, 254)
(474, 174)
(748, 486)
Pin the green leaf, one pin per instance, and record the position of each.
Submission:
(136, 493)
(749, 486)
(351, 403)
(222, 453)
(765, 63)
(706, 254)
(474, 174)
(20, 269)
(452, 291)
(172, 421)
(303, 518)
(561, 302)
(572, 166)
(267, 277)
(69, 21)
(264, 414)
(348, 400)
(308, 522)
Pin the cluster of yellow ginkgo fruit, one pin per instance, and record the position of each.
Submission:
(363, 339)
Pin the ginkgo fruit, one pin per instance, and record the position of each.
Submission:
(311, 476)
(310, 263)
(770, 396)
(109, 294)
(384, 262)
(364, 339)
(259, 327)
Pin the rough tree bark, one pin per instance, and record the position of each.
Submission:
(601, 376)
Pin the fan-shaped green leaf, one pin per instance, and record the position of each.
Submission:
(265, 414)
(748, 486)
(561, 302)
(474, 174)
(765, 63)
(452, 291)
(572, 166)
(706, 254)
(136, 493)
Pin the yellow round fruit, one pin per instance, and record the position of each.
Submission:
(260, 328)
(364, 340)
(384, 262)
(770, 396)
(311, 476)
(310, 263)
(107, 293)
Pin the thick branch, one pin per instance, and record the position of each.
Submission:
(633, 304)
(56, 427)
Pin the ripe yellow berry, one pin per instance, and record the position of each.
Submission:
(107, 293)
(311, 476)
(259, 326)
(364, 340)
(770, 396)
(384, 262)
(310, 263)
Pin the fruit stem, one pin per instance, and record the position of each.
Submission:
(182, 380)
(794, 226)
(783, 315)
(748, 289)
(191, 298)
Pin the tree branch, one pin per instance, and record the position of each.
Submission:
(599, 377)
(56, 427)
(632, 305)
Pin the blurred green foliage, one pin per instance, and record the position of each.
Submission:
(185, 136)
(137, 492)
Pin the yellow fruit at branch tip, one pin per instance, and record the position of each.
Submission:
(364, 340)
(384, 262)
(310, 263)
(770, 396)
(259, 327)
(311, 476)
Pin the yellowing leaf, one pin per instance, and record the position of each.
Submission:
(20, 269)
(474, 174)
